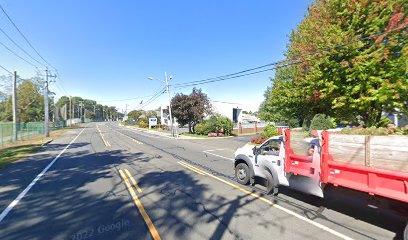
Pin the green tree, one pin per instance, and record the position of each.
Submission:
(190, 109)
(360, 79)
(30, 102)
(135, 114)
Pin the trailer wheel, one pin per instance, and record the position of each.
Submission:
(271, 187)
(242, 173)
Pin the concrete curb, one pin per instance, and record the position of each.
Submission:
(47, 142)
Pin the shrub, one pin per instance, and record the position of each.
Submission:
(143, 124)
(390, 130)
(322, 122)
(405, 130)
(202, 129)
(305, 125)
(384, 121)
(269, 131)
(215, 124)
(294, 123)
(164, 127)
(257, 140)
(365, 131)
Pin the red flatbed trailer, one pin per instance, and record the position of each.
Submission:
(375, 181)
(372, 180)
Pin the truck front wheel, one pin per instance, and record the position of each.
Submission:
(271, 186)
(406, 232)
(242, 173)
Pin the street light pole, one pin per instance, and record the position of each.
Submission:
(168, 93)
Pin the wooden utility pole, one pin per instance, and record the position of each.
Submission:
(70, 110)
(14, 101)
(46, 106)
(168, 93)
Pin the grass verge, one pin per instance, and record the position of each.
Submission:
(22, 149)
(13, 154)
(193, 135)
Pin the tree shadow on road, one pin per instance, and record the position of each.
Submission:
(377, 211)
(16, 176)
(80, 197)
(184, 208)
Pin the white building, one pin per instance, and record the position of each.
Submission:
(232, 111)
(164, 116)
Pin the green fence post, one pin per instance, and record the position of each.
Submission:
(1, 134)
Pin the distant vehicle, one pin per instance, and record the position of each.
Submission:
(275, 164)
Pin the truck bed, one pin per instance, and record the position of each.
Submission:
(384, 152)
(377, 165)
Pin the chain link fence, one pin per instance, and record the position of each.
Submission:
(24, 131)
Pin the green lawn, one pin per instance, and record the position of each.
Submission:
(12, 154)
(193, 135)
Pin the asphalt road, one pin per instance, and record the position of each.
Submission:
(185, 189)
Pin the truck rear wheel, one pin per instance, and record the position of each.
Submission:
(242, 173)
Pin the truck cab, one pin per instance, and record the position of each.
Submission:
(260, 164)
(265, 165)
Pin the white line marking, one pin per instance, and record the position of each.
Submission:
(149, 133)
(219, 156)
(134, 140)
(146, 135)
(214, 150)
(23, 193)
(290, 212)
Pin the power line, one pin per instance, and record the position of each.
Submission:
(158, 94)
(60, 82)
(150, 100)
(225, 102)
(290, 62)
(15, 54)
(5, 69)
(22, 49)
(25, 38)
(222, 79)
(127, 99)
(214, 78)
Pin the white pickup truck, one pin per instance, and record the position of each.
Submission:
(375, 165)
(266, 165)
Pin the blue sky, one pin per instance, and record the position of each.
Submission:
(105, 50)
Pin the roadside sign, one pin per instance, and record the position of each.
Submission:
(152, 122)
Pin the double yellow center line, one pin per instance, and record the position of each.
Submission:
(126, 176)
(103, 138)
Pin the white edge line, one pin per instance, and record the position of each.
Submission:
(231, 159)
(212, 150)
(23, 193)
(316, 224)
(290, 212)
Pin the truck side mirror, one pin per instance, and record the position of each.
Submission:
(254, 150)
